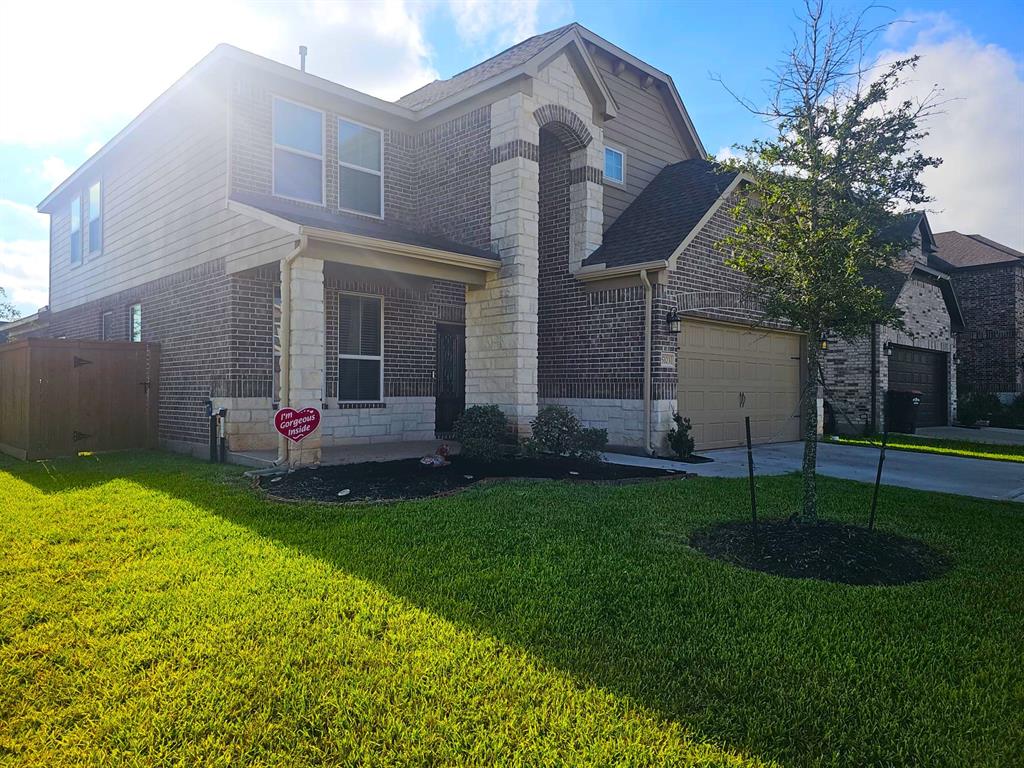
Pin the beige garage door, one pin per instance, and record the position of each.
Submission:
(729, 372)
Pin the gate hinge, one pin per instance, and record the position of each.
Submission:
(76, 436)
(80, 361)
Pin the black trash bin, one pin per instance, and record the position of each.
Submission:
(902, 410)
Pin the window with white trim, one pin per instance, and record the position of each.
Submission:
(360, 348)
(614, 165)
(76, 231)
(107, 326)
(95, 219)
(135, 322)
(359, 168)
(298, 152)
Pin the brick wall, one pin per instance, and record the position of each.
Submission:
(991, 346)
(187, 314)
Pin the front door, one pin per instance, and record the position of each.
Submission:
(451, 377)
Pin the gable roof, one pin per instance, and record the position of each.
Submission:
(321, 218)
(510, 58)
(962, 251)
(668, 211)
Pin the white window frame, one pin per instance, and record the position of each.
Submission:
(87, 229)
(380, 357)
(380, 173)
(76, 206)
(103, 317)
(131, 321)
(322, 157)
(622, 153)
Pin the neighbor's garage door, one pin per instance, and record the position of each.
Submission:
(925, 371)
(728, 372)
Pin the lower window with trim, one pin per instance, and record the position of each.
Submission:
(360, 348)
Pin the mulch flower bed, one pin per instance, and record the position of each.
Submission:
(826, 550)
(409, 479)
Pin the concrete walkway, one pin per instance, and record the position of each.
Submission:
(980, 478)
(992, 435)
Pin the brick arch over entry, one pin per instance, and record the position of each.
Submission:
(565, 124)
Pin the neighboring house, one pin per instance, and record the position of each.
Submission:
(921, 356)
(532, 230)
(27, 327)
(989, 281)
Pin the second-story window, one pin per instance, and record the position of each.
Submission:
(359, 168)
(95, 219)
(614, 165)
(76, 231)
(298, 152)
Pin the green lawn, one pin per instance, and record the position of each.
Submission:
(154, 611)
(938, 445)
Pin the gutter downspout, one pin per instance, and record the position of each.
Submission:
(286, 339)
(648, 314)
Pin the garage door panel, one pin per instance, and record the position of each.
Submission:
(748, 373)
(926, 371)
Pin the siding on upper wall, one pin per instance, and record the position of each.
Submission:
(643, 129)
(164, 205)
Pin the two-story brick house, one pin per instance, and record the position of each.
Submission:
(528, 231)
(989, 281)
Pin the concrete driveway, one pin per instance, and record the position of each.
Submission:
(993, 435)
(927, 472)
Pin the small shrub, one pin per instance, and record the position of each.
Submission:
(979, 406)
(483, 433)
(556, 429)
(589, 443)
(679, 439)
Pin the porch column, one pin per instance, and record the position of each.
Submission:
(501, 317)
(306, 351)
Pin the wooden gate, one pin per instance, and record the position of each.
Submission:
(60, 397)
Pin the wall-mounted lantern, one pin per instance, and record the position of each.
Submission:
(887, 348)
(674, 321)
(823, 341)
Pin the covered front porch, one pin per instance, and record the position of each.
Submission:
(378, 329)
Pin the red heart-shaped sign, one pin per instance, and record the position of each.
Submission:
(295, 425)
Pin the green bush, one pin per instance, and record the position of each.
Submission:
(679, 439)
(979, 406)
(557, 430)
(483, 432)
(1011, 415)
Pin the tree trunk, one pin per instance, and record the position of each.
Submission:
(809, 514)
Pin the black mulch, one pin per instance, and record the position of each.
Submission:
(409, 479)
(826, 550)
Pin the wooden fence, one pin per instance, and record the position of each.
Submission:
(61, 397)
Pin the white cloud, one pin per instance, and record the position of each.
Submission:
(24, 273)
(21, 218)
(727, 153)
(100, 63)
(54, 170)
(494, 24)
(979, 135)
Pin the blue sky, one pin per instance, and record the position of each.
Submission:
(65, 93)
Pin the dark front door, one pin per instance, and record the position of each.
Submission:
(925, 371)
(451, 376)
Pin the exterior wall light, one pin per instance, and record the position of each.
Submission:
(823, 341)
(674, 321)
(887, 348)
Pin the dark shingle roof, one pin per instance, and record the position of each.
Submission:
(431, 93)
(960, 251)
(663, 214)
(356, 225)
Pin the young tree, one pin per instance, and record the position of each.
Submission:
(813, 224)
(7, 310)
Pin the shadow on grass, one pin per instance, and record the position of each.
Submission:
(600, 582)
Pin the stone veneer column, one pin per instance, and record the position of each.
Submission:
(586, 203)
(307, 351)
(501, 317)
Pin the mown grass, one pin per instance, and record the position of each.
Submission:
(154, 611)
(966, 448)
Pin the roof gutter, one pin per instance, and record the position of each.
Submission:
(601, 272)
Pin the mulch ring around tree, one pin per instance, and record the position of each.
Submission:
(409, 479)
(828, 551)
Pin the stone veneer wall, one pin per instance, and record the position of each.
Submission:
(991, 346)
(847, 364)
